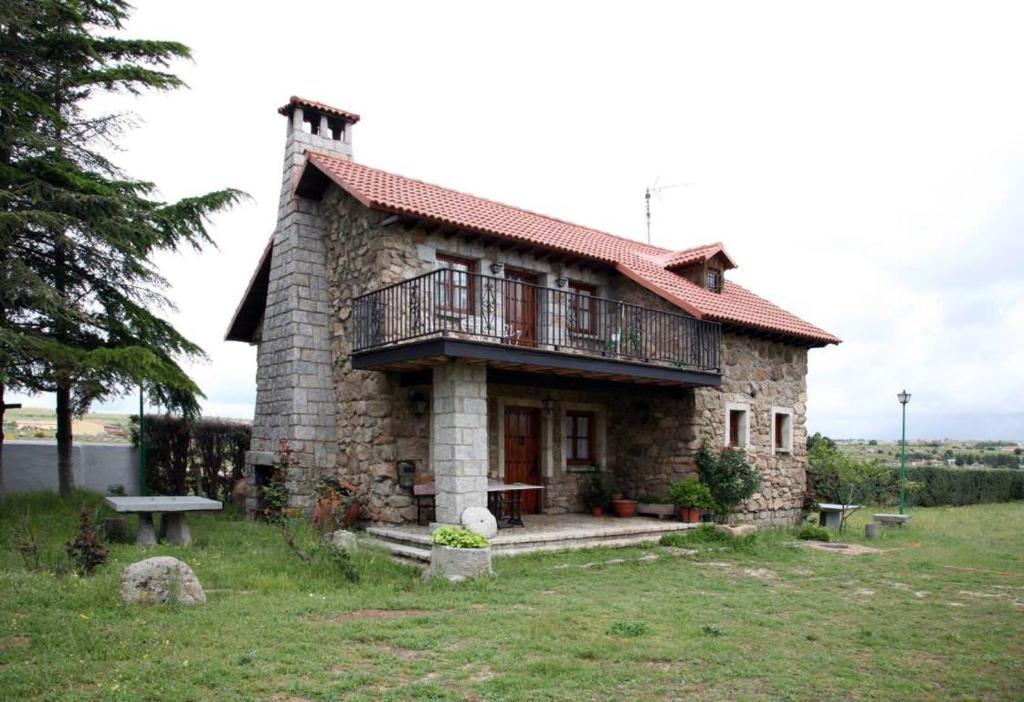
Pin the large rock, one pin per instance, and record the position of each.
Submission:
(480, 521)
(159, 580)
(458, 564)
(344, 539)
(738, 530)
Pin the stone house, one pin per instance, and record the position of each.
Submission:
(409, 333)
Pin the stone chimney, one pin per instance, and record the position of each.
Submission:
(294, 382)
(314, 126)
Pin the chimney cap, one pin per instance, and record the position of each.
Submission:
(296, 101)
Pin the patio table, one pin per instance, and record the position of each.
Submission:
(173, 507)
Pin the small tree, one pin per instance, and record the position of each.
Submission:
(849, 482)
(730, 476)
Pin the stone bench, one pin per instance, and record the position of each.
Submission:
(831, 515)
(173, 508)
(891, 519)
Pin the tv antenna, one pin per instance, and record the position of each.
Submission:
(657, 190)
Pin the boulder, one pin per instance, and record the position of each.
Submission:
(159, 580)
(344, 539)
(738, 530)
(480, 521)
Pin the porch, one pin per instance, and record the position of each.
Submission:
(541, 532)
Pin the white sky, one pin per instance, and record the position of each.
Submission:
(863, 162)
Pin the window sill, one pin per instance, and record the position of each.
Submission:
(579, 468)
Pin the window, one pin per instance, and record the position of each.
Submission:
(714, 280)
(579, 437)
(782, 430)
(737, 425)
(453, 289)
(582, 308)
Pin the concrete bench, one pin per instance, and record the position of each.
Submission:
(174, 509)
(831, 515)
(890, 519)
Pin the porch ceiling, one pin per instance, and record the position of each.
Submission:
(424, 354)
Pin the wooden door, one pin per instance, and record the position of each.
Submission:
(522, 452)
(520, 308)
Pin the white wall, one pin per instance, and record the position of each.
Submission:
(31, 466)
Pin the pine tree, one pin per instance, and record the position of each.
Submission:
(80, 299)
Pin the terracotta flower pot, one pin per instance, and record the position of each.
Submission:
(624, 508)
(597, 511)
(690, 515)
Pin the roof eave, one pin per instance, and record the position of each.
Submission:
(253, 301)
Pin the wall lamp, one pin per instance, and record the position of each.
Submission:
(548, 404)
(418, 404)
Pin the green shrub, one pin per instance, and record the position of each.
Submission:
(85, 551)
(729, 475)
(692, 493)
(457, 537)
(810, 532)
(958, 486)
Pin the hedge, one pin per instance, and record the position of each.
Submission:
(201, 457)
(963, 486)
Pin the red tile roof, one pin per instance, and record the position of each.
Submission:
(646, 265)
(295, 101)
(681, 259)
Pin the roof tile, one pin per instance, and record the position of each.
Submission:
(645, 264)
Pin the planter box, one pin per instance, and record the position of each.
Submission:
(656, 509)
(457, 564)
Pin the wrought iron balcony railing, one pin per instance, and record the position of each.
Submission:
(471, 306)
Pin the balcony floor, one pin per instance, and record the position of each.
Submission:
(425, 353)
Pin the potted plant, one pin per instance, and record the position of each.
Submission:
(621, 506)
(596, 496)
(459, 553)
(657, 506)
(692, 497)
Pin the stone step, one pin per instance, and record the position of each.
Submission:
(401, 551)
(575, 544)
(416, 545)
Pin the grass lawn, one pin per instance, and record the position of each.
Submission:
(938, 615)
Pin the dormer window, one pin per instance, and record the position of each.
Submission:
(714, 280)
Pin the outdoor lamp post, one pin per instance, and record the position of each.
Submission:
(904, 398)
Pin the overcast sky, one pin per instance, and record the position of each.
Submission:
(863, 163)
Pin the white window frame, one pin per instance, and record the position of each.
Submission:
(744, 442)
(787, 436)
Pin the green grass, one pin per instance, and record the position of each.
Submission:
(938, 615)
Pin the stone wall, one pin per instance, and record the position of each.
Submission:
(668, 433)
(375, 424)
(650, 442)
(294, 395)
(776, 375)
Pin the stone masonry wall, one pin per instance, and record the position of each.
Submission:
(777, 373)
(655, 441)
(294, 396)
(375, 425)
(650, 442)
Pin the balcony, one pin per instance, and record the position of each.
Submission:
(518, 326)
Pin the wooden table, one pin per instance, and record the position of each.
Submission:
(174, 509)
(496, 489)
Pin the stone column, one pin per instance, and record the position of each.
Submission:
(459, 428)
